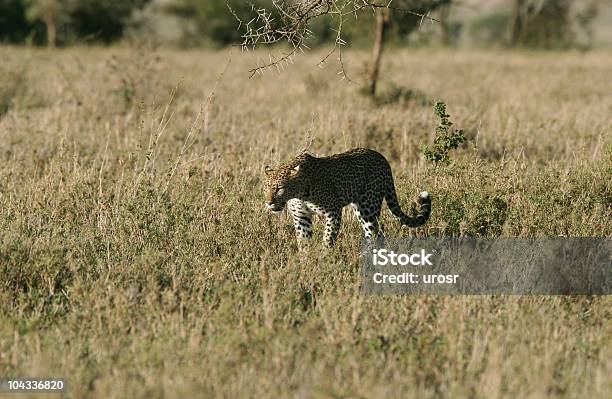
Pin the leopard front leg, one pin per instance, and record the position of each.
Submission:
(302, 219)
(332, 227)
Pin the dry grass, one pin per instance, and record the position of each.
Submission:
(137, 259)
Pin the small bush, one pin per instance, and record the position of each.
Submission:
(403, 96)
(445, 139)
(490, 28)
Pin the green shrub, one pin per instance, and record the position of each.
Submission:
(445, 140)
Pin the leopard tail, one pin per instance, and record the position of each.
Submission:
(423, 204)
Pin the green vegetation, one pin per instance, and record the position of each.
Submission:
(65, 21)
(213, 18)
(137, 258)
(548, 24)
(445, 140)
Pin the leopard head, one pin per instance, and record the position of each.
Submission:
(284, 183)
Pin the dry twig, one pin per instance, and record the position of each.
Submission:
(289, 21)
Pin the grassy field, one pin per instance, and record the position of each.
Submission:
(137, 258)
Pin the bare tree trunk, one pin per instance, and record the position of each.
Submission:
(516, 22)
(444, 26)
(381, 21)
(51, 29)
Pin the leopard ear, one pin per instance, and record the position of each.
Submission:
(267, 170)
(295, 171)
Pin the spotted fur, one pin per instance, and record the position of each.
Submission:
(361, 178)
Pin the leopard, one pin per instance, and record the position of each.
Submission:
(361, 178)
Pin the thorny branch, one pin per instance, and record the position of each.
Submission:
(289, 21)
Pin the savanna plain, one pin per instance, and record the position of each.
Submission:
(137, 258)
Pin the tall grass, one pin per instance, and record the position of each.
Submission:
(137, 259)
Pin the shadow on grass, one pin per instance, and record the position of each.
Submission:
(398, 95)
